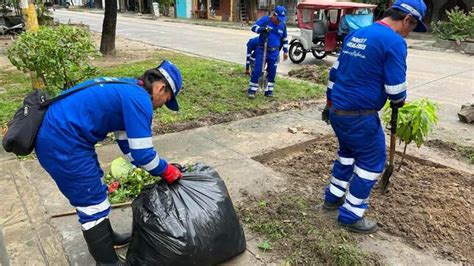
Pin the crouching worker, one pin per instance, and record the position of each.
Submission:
(73, 125)
(250, 62)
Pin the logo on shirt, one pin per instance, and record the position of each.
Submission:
(357, 43)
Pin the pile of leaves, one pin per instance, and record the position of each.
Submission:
(311, 73)
(125, 181)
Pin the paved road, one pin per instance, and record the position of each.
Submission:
(447, 78)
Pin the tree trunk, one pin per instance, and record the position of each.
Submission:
(107, 42)
(123, 8)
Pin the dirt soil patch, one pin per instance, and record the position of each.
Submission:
(126, 51)
(312, 73)
(429, 205)
(454, 150)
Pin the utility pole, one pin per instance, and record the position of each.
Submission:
(28, 11)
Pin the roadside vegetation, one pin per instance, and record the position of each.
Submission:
(210, 88)
(459, 26)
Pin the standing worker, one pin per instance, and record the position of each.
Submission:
(370, 69)
(272, 30)
(73, 125)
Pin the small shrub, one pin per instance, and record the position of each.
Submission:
(415, 121)
(458, 27)
(60, 56)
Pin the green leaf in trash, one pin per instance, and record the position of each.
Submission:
(265, 245)
(120, 167)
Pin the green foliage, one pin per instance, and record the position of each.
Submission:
(120, 167)
(128, 181)
(60, 56)
(44, 15)
(210, 88)
(458, 27)
(415, 120)
(265, 245)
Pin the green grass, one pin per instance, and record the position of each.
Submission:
(209, 87)
(17, 85)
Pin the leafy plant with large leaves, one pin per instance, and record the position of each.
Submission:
(458, 27)
(125, 182)
(415, 121)
(60, 56)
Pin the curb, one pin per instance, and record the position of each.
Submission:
(4, 261)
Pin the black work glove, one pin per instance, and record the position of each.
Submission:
(397, 105)
(325, 115)
(267, 29)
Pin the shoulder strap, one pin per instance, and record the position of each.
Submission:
(64, 95)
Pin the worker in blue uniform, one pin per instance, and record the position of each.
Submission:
(250, 60)
(73, 125)
(273, 30)
(371, 68)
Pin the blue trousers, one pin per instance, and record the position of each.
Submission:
(272, 62)
(76, 171)
(360, 160)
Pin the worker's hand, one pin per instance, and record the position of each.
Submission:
(171, 174)
(247, 72)
(325, 115)
(267, 29)
(285, 56)
(397, 105)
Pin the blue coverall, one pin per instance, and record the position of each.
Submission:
(73, 125)
(277, 37)
(251, 46)
(370, 69)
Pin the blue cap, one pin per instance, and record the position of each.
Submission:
(174, 81)
(415, 8)
(280, 12)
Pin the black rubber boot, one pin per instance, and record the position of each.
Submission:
(120, 240)
(364, 226)
(333, 206)
(100, 243)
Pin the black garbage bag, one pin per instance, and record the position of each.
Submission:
(191, 222)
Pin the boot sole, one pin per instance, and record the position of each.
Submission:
(354, 230)
(330, 208)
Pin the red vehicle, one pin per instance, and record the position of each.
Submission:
(319, 22)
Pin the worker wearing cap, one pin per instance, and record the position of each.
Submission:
(73, 125)
(371, 68)
(273, 30)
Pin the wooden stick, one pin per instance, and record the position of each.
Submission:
(113, 206)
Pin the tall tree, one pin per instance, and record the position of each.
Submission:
(107, 42)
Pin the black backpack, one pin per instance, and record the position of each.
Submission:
(22, 130)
